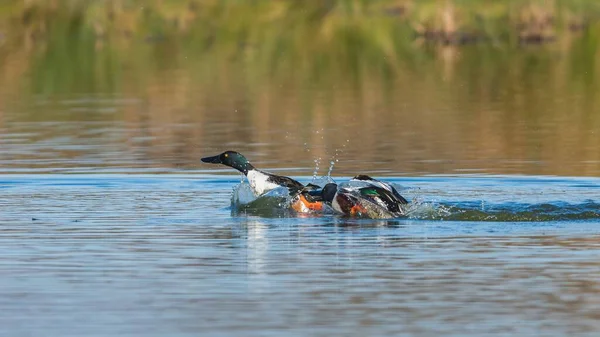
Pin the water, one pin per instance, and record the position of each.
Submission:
(110, 225)
(155, 255)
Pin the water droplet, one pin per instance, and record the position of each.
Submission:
(316, 171)
(331, 164)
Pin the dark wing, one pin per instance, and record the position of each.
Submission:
(312, 187)
(376, 183)
(312, 192)
(398, 196)
(292, 185)
(382, 197)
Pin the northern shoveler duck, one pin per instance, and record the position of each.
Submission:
(364, 196)
(304, 198)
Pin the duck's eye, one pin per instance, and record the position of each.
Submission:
(226, 155)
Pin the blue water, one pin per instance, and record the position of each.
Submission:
(158, 255)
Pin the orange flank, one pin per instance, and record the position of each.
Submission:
(357, 210)
(301, 205)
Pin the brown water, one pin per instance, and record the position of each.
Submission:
(454, 110)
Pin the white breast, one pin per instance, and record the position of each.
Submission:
(259, 182)
(336, 205)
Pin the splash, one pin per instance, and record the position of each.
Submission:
(327, 177)
(504, 212)
(273, 203)
(322, 180)
(418, 208)
(331, 165)
(242, 194)
(316, 170)
(276, 203)
(334, 159)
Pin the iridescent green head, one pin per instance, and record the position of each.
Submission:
(231, 159)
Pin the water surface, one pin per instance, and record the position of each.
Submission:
(110, 225)
(154, 255)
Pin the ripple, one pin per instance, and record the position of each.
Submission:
(154, 255)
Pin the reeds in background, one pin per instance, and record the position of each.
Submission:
(484, 73)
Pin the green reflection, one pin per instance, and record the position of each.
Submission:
(406, 81)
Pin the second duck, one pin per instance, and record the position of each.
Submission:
(366, 197)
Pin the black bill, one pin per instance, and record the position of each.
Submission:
(213, 160)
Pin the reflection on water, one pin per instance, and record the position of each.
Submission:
(521, 110)
(161, 255)
(400, 138)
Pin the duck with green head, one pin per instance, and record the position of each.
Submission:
(262, 182)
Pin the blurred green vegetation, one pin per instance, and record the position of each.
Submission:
(518, 78)
(69, 46)
(317, 41)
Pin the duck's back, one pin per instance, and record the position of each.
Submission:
(263, 182)
(365, 196)
(383, 198)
